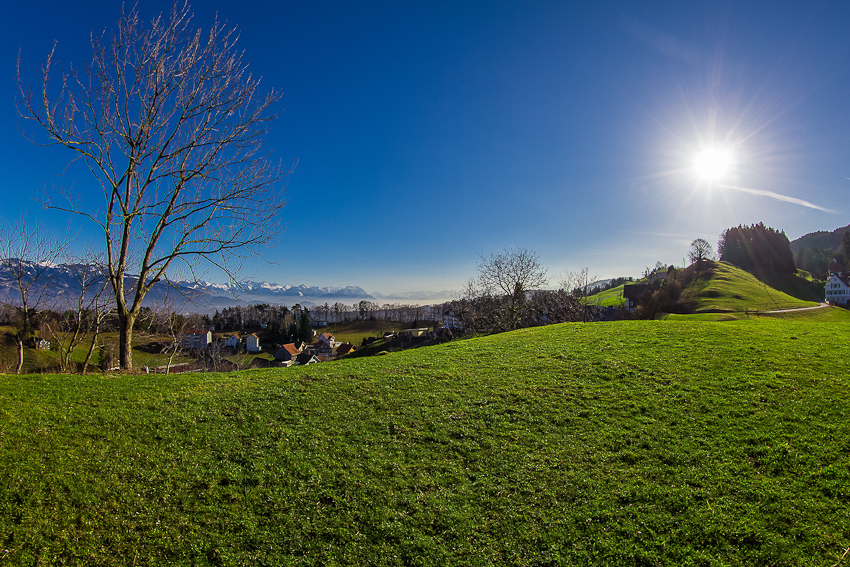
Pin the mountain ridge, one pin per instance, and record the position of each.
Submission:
(62, 281)
(821, 239)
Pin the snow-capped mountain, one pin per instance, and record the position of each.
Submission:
(63, 281)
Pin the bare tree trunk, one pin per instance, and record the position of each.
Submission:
(20, 356)
(90, 352)
(170, 123)
(125, 340)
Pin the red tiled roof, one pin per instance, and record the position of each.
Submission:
(291, 349)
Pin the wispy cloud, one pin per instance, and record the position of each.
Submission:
(664, 43)
(779, 197)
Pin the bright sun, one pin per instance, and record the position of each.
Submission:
(714, 165)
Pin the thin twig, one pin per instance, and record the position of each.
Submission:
(846, 551)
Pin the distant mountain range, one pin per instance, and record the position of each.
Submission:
(63, 281)
(820, 239)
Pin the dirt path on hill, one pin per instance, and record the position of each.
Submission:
(821, 306)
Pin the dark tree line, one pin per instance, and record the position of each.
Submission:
(815, 261)
(757, 248)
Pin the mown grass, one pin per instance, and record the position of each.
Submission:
(630, 443)
(831, 314)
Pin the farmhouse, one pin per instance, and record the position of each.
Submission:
(413, 332)
(838, 289)
(632, 294)
(287, 352)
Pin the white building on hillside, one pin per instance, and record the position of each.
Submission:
(252, 343)
(837, 289)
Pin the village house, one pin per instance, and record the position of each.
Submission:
(837, 289)
(632, 294)
(659, 275)
(306, 358)
(196, 339)
(345, 348)
(234, 341)
(287, 353)
(252, 343)
(324, 349)
(413, 332)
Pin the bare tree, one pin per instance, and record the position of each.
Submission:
(496, 298)
(79, 318)
(578, 305)
(511, 274)
(170, 123)
(172, 325)
(27, 255)
(700, 251)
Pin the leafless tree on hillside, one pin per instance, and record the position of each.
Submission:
(509, 275)
(700, 251)
(27, 253)
(169, 121)
(79, 318)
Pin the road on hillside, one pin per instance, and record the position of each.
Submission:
(821, 306)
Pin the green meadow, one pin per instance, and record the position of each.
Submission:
(631, 443)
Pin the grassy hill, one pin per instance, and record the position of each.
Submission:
(725, 287)
(609, 298)
(630, 443)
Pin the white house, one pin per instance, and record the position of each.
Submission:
(252, 343)
(837, 289)
(234, 341)
(196, 339)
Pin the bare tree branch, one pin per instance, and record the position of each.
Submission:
(170, 123)
(27, 253)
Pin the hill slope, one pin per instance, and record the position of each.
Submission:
(622, 443)
(727, 288)
(723, 287)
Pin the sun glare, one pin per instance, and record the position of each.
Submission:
(714, 165)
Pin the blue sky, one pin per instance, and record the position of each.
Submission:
(427, 133)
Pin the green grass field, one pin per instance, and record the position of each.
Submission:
(629, 443)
